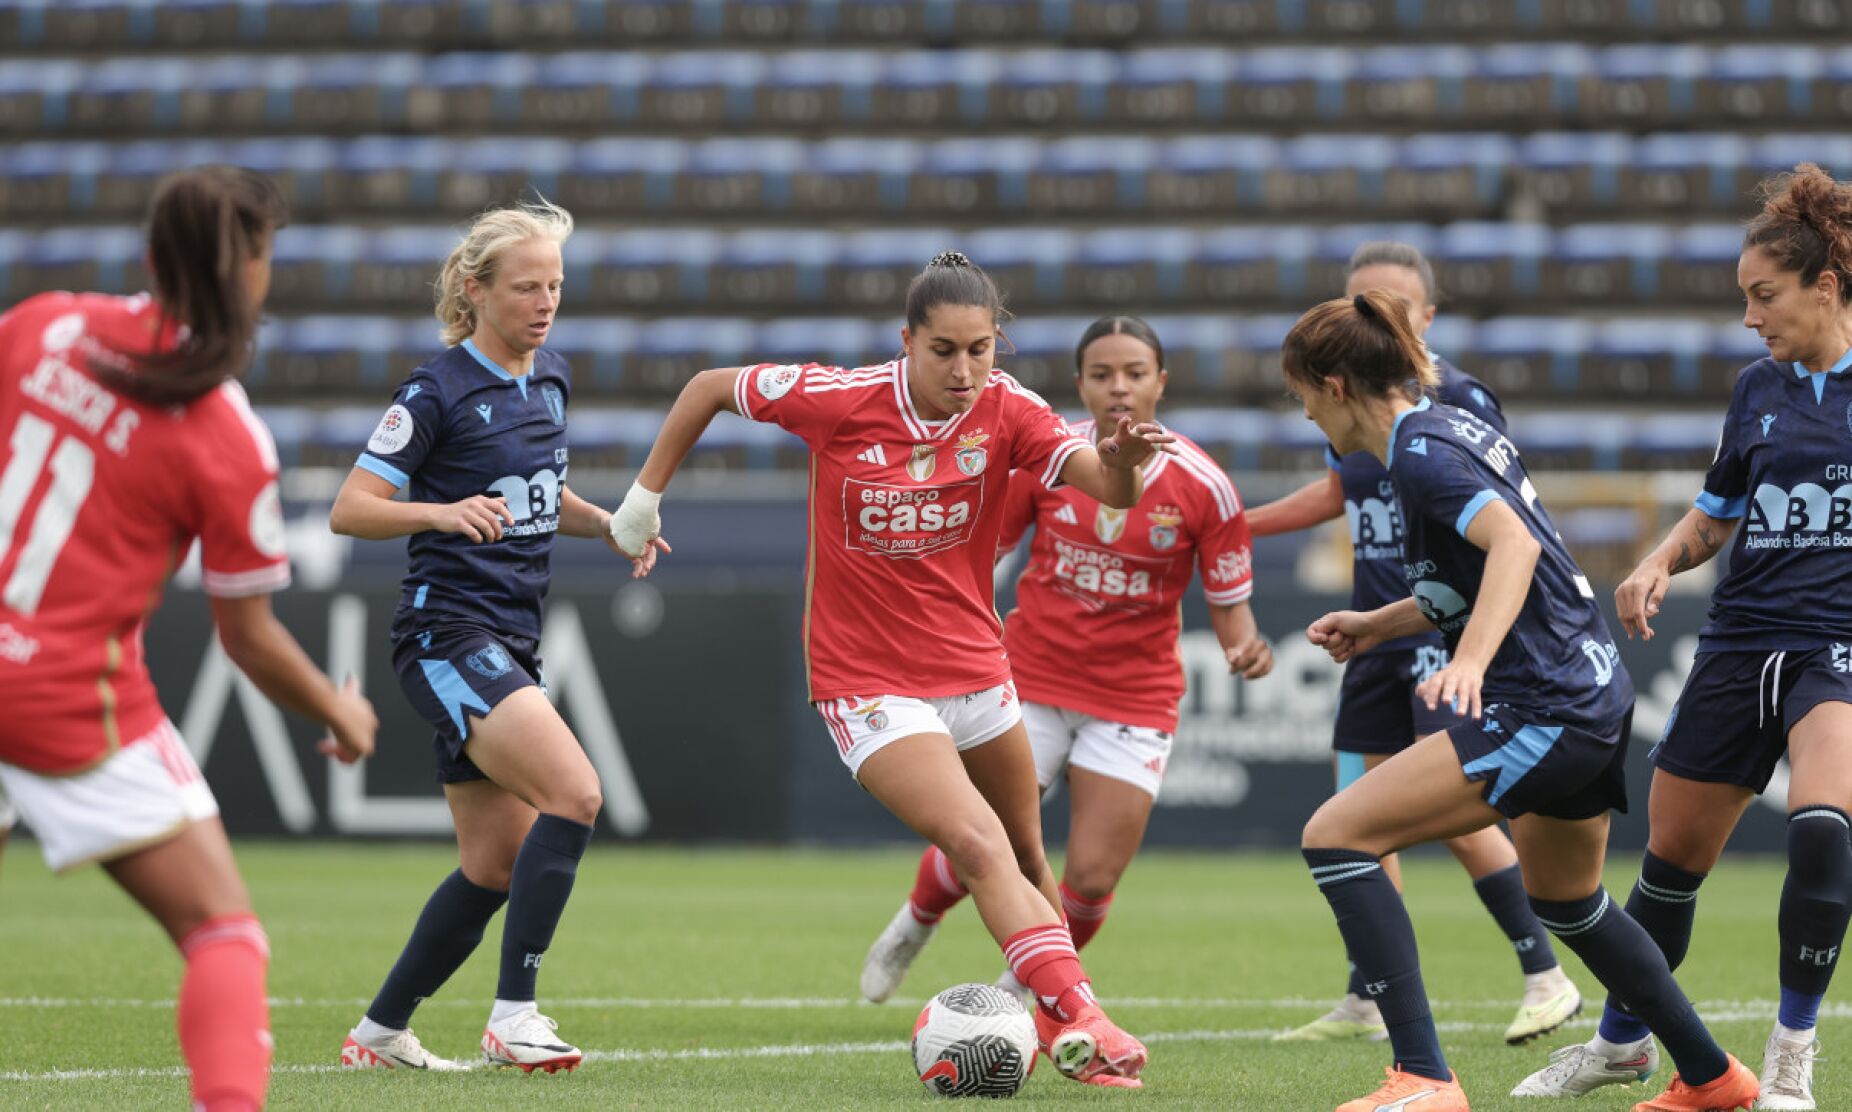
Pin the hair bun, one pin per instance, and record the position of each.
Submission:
(950, 258)
(1363, 307)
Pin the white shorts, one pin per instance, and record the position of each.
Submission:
(1135, 754)
(861, 726)
(144, 794)
(8, 813)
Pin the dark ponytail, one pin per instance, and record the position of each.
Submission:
(1134, 327)
(204, 225)
(1365, 340)
(1806, 226)
(952, 279)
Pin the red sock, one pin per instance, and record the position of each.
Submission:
(224, 1016)
(1085, 917)
(936, 889)
(1044, 959)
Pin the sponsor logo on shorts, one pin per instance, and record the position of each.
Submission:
(1842, 657)
(393, 433)
(909, 522)
(1605, 658)
(489, 662)
(1429, 659)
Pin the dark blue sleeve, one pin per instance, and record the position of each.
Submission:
(1445, 483)
(1476, 398)
(1726, 484)
(405, 433)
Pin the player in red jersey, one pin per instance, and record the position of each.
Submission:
(126, 438)
(910, 465)
(1099, 577)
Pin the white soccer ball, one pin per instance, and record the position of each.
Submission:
(974, 1041)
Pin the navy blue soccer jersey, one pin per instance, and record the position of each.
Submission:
(1784, 466)
(1376, 522)
(462, 426)
(1446, 466)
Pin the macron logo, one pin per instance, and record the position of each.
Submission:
(1767, 420)
(874, 454)
(482, 411)
(1419, 445)
(1065, 515)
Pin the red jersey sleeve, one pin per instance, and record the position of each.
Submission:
(1224, 547)
(802, 398)
(1040, 440)
(1018, 510)
(237, 510)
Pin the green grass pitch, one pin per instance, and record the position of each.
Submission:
(725, 979)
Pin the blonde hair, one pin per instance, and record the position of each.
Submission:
(492, 234)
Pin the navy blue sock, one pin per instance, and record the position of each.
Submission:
(1354, 986)
(543, 876)
(1814, 909)
(1381, 941)
(1502, 893)
(1620, 954)
(1664, 901)
(447, 932)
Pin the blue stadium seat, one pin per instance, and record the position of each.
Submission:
(837, 341)
(1330, 173)
(1408, 84)
(1196, 353)
(623, 174)
(1478, 260)
(596, 348)
(1732, 347)
(728, 175)
(1700, 267)
(1602, 263)
(1521, 83)
(705, 89)
(816, 88)
(1167, 86)
(926, 88)
(643, 267)
(1237, 438)
(1450, 174)
(1041, 87)
(1674, 172)
(1237, 266)
(1025, 260)
(1574, 170)
(1451, 332)
(874, 266)
(1754, 84)
(669, 351)
(1644, 84)
(1647, 358)
(960, 176)
(856, 175)
(1525, 356)
(314, 264)
(1286, 84)
(1086, 173)
(1203, 173)
(758, 269)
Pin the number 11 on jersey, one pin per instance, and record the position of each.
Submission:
(73, 468)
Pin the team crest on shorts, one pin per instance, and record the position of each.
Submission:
(1108, 524)
(556, 403)
(924, 460)
(969, 457)
(1164, 522)
(489, 662)
(872, 715)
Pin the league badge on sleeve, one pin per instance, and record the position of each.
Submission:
(776, 382)
(394, 432)
(970, 458)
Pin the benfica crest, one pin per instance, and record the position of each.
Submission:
(969, 457)
(924, 459)
(1164, 529)
(1109, 524)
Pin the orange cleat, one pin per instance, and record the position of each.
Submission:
(1092, 1049)
(1411, 1092)
(1737, 1088)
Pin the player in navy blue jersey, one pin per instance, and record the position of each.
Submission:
(477, 437)
(1379, 713)
(1773, 673)
(1546, 707)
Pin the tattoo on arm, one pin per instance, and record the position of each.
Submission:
(1684, 562)
(1708, 538)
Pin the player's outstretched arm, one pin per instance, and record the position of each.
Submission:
(1696, 538)
(1249, 655)
(1348, 633)
(266, 652)
(1511, 554)
(636, 526)
(1314, 503)
(1110, 472)
(365, 508)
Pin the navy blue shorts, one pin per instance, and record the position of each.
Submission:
(455, 670)
(1534, 764)
(1731, 722)
(1377, 708)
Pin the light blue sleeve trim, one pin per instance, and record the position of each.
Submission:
(370, 462)
(1480, 501)
(1332, 460)
(1725, 508)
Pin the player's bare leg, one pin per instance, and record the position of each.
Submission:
(924, 783)
(1003, 771)
(1109, 817)
(190, 884)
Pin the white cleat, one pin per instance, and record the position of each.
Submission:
(892, 954)
(1354, 1019)
(400, 1050)
(528, 1041)
(1550, 1000)
(1787, 1070)
(1575, 1070)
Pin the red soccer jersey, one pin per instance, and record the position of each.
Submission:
(1098, 608)
(100, 497)
(904, 516)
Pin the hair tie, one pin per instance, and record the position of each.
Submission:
(950, 258)
(1363, 307)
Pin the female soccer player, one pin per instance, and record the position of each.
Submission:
(128, 438)
(1099, 577)
(1772, 673)
(1546, 702)
(479, 435)
(909, 467)
(1378, 712)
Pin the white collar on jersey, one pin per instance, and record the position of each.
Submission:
(923, 430)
